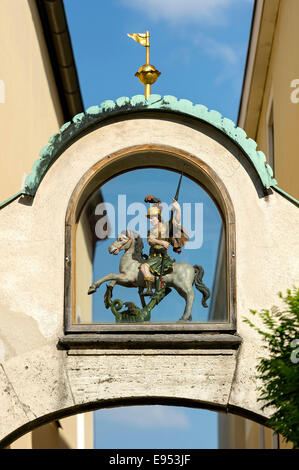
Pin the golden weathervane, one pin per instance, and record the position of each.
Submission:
(147, 74)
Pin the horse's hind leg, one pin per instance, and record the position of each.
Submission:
(189, 297)
(188, 294)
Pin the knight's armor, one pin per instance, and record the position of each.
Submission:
(154, 260)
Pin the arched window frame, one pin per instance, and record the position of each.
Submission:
(191, 334)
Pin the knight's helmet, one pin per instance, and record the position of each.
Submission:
(156, 208)
(154, 211)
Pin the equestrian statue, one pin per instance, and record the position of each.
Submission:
(157, 270)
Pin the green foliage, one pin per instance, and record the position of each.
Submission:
(279, 371)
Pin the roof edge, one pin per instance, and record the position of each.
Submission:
(123, 105)
(12, 198)
(258, 59)
(286, 195)
(81, 122)
(250, 58)
(58, 41)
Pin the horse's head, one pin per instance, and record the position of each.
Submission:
(124, 241)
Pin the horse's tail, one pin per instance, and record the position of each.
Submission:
(199, 272)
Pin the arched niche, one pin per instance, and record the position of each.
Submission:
(159, 157)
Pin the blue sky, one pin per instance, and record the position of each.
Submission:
(155, 427)
(200, 47)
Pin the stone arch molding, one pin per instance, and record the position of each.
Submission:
(40, 381)
(144, 156)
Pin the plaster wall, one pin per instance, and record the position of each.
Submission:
(282, 71)
(30, 110)
(37, 380)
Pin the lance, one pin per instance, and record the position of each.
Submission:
(170, 229)
(176, 197)
(177, 240)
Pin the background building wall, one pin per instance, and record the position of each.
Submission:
(235, 432)
(75, 432)
(283, 70)
(30, 111)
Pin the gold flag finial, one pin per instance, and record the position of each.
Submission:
(147, 74)
(140, 37)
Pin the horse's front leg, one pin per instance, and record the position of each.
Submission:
(109, 277)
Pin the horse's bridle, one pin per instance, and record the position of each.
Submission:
(129, 238)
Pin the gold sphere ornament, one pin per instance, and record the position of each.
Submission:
(147, 74)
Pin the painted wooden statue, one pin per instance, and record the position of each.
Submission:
(159, 262)
(157, 270)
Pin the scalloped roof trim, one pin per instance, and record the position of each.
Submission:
(94, 114)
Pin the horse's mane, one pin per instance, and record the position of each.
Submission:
(138, 245)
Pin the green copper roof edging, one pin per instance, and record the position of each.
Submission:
(109, 108)
(95, 114)
(12, 198)
(283, 193)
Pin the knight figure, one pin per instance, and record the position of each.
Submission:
(159, 238)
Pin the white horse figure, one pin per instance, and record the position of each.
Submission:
(182, 277)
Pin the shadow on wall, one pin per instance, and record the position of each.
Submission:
(49, 437)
